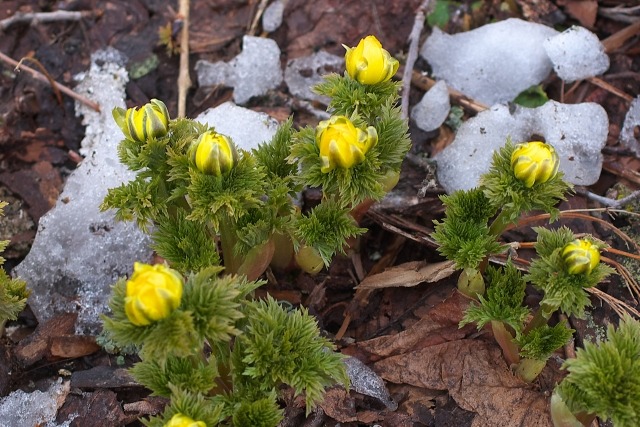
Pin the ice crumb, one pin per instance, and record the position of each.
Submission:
(36, 408)
(576, 54)
(302, 74)
(433, 108)
(253, 72)
(493, 63)
(631, 123)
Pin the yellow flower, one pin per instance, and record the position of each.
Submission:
(581, 256)
(342, 144)
(369, 63)
(534, 162)
(151, 121)
(153, 292)
(179, 420)
(213, 153)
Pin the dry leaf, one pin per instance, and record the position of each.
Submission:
(439, 325)
(585, 11)
(408, 275)
(477, 378)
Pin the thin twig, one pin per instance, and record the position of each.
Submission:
(39, 76)
(612, 203)
(412, 55)
(184, 82)
(256, 18)
(34, 18)
(424, 82)
(620, 307)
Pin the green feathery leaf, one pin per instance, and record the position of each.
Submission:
(326, 228)
(194, 405)
(273, 155)
(541, 342)
(604, 378)
(258, 413)
(349, 96)
(290, 341)
(184, 373)
(185, 244)
(215, 197)
(503, 300)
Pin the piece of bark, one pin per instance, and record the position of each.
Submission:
(98, 409)
(103, 377)
(37, 345)
(73, 346)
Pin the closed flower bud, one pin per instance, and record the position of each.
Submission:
(213, 153)
(342, 144)
(179, 420)
(150, 121)
(152, 293)
(580, 256)
(534, 162)
(369, 63)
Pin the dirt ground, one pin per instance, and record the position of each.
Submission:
(439, 374)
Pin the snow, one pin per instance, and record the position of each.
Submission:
(254, 72)
(246, 128)
(631, 122)
(577, 132)
(493, 63)
(38, 408)
(272, 16)
(302, 74)
(576, 54)
(79, 252)
(433, 108)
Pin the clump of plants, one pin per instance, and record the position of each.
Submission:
(220, 216)
(13, 292)
(522, 178)
(603, 380)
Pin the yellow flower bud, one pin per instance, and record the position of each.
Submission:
(151, 121)
(369, 63)
(213, 153)
(179, 420)
(534, 162)
(153, 292)
(342, 144)
(580, 256)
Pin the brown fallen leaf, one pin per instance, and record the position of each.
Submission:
(409, 274)
(476, 377)
(440, 324)
(585, 11)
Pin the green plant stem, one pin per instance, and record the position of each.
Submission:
(529, 369)
(505, 339)
(499, 224)
(539, 319)
(283, 251)
(257, 260)
(562, 416)
(228, 240)
(471, 283)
